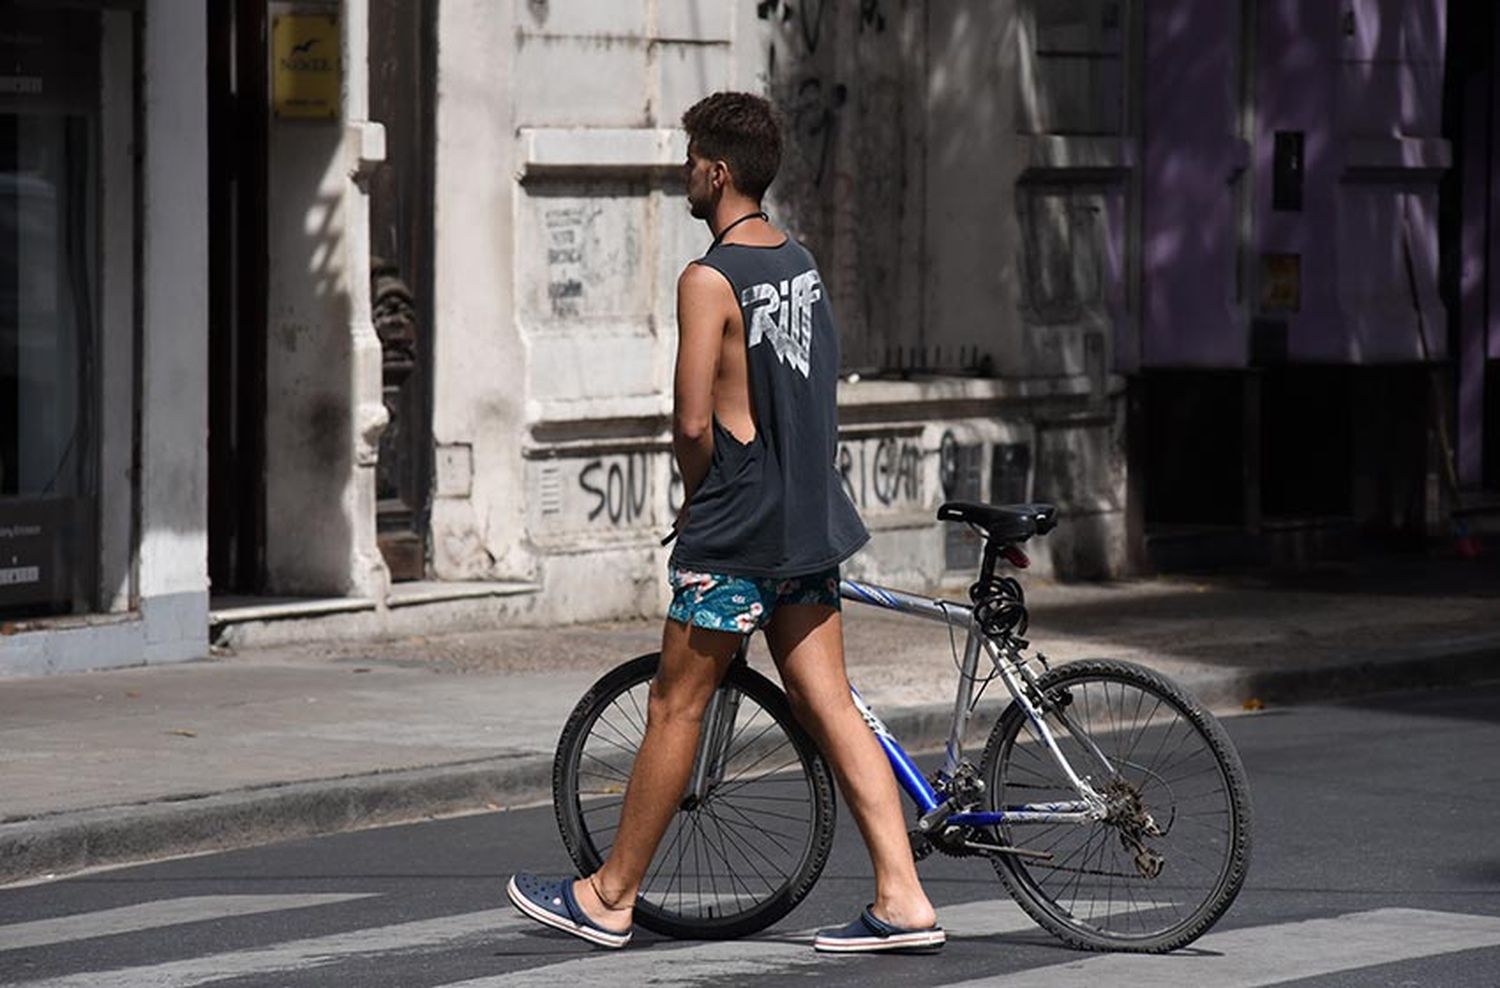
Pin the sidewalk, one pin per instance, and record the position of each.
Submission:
(109, 767)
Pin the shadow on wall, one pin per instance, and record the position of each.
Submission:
(310, 495)
(1085, 545)
(847, 76)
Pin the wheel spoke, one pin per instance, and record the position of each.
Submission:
(1168, 762)
(732, 863)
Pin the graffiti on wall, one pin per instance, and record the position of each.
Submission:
(807, 15)
(813, 118)
(583, 253)
(838, 70)
(609, 492)
(882, 473)
(617, 489)
(640, 491)
(565, 228)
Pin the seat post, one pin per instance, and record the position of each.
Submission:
(986, 569)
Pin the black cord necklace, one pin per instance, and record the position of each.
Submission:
(758, 214)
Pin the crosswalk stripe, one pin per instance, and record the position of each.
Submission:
(729, 961)
(1271, 955)
(1252, 957)
(153, 915)
(299, 955)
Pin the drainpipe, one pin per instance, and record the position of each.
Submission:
(364, 148)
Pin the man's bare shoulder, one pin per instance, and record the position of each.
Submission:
(704, 289)
(701, 279)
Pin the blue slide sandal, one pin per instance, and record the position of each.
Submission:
(550, 901)
(869, 934)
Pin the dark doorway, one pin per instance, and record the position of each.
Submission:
(402, 86)
(1193, 447)
(1470, 229)
(237, 111)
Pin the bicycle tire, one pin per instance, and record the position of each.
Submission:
(1205, 853)
(765, 785)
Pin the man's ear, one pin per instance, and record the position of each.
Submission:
(722, 176)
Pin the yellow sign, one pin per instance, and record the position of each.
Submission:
(306, 70)
(1281, 282)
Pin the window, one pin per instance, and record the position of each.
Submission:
(48, 276)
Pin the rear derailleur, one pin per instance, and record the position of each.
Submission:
(1128, 814)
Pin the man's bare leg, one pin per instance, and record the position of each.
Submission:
(693, 662)
(807, 642)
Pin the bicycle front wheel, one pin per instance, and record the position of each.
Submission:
(735, 860)
(1174, 850)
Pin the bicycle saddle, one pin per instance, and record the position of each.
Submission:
(1003, 522)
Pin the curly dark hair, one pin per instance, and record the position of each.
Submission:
(741, 129)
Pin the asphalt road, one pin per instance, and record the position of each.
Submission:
(1376, 864)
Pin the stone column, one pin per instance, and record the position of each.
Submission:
(364, 146)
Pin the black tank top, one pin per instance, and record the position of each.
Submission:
(776, 507)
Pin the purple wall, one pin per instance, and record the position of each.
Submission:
(1492, 327)
(1295, 86)
(1361, 81)
(1479, 248)
(1191, 155)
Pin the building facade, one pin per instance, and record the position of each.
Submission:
(380, 331)
(103, 436)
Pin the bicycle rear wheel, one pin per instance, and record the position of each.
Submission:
(735, 861)
(1174, 851)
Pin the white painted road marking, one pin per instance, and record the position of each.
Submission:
(1252, 957)
(1271, 955)
(152, 915)
(300, 955)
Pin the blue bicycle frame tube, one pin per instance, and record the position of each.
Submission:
(907, 773)
(1075, 811)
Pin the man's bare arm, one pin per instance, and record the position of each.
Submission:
(703, 301)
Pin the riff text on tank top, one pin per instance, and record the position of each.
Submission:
(783, 314)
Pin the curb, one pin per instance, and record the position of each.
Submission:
(1455, 663)
(120, 835)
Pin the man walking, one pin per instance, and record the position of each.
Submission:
(764, 527)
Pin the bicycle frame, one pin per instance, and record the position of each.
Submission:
(709, 762)
(1089, 807)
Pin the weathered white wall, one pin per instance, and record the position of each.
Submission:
(479, 379)
(321, 351)
(561, 229)
(849, 78)
(602, 234)
(308, 395)
(971, 291)
(963, 171)
(554, 301)
(174, 313)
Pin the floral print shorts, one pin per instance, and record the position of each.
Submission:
(742, 603)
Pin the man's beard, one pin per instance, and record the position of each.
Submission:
(701, 209)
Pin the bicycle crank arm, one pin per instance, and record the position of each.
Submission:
(1019, 852)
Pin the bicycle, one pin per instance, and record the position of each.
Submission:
(1114, 809)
